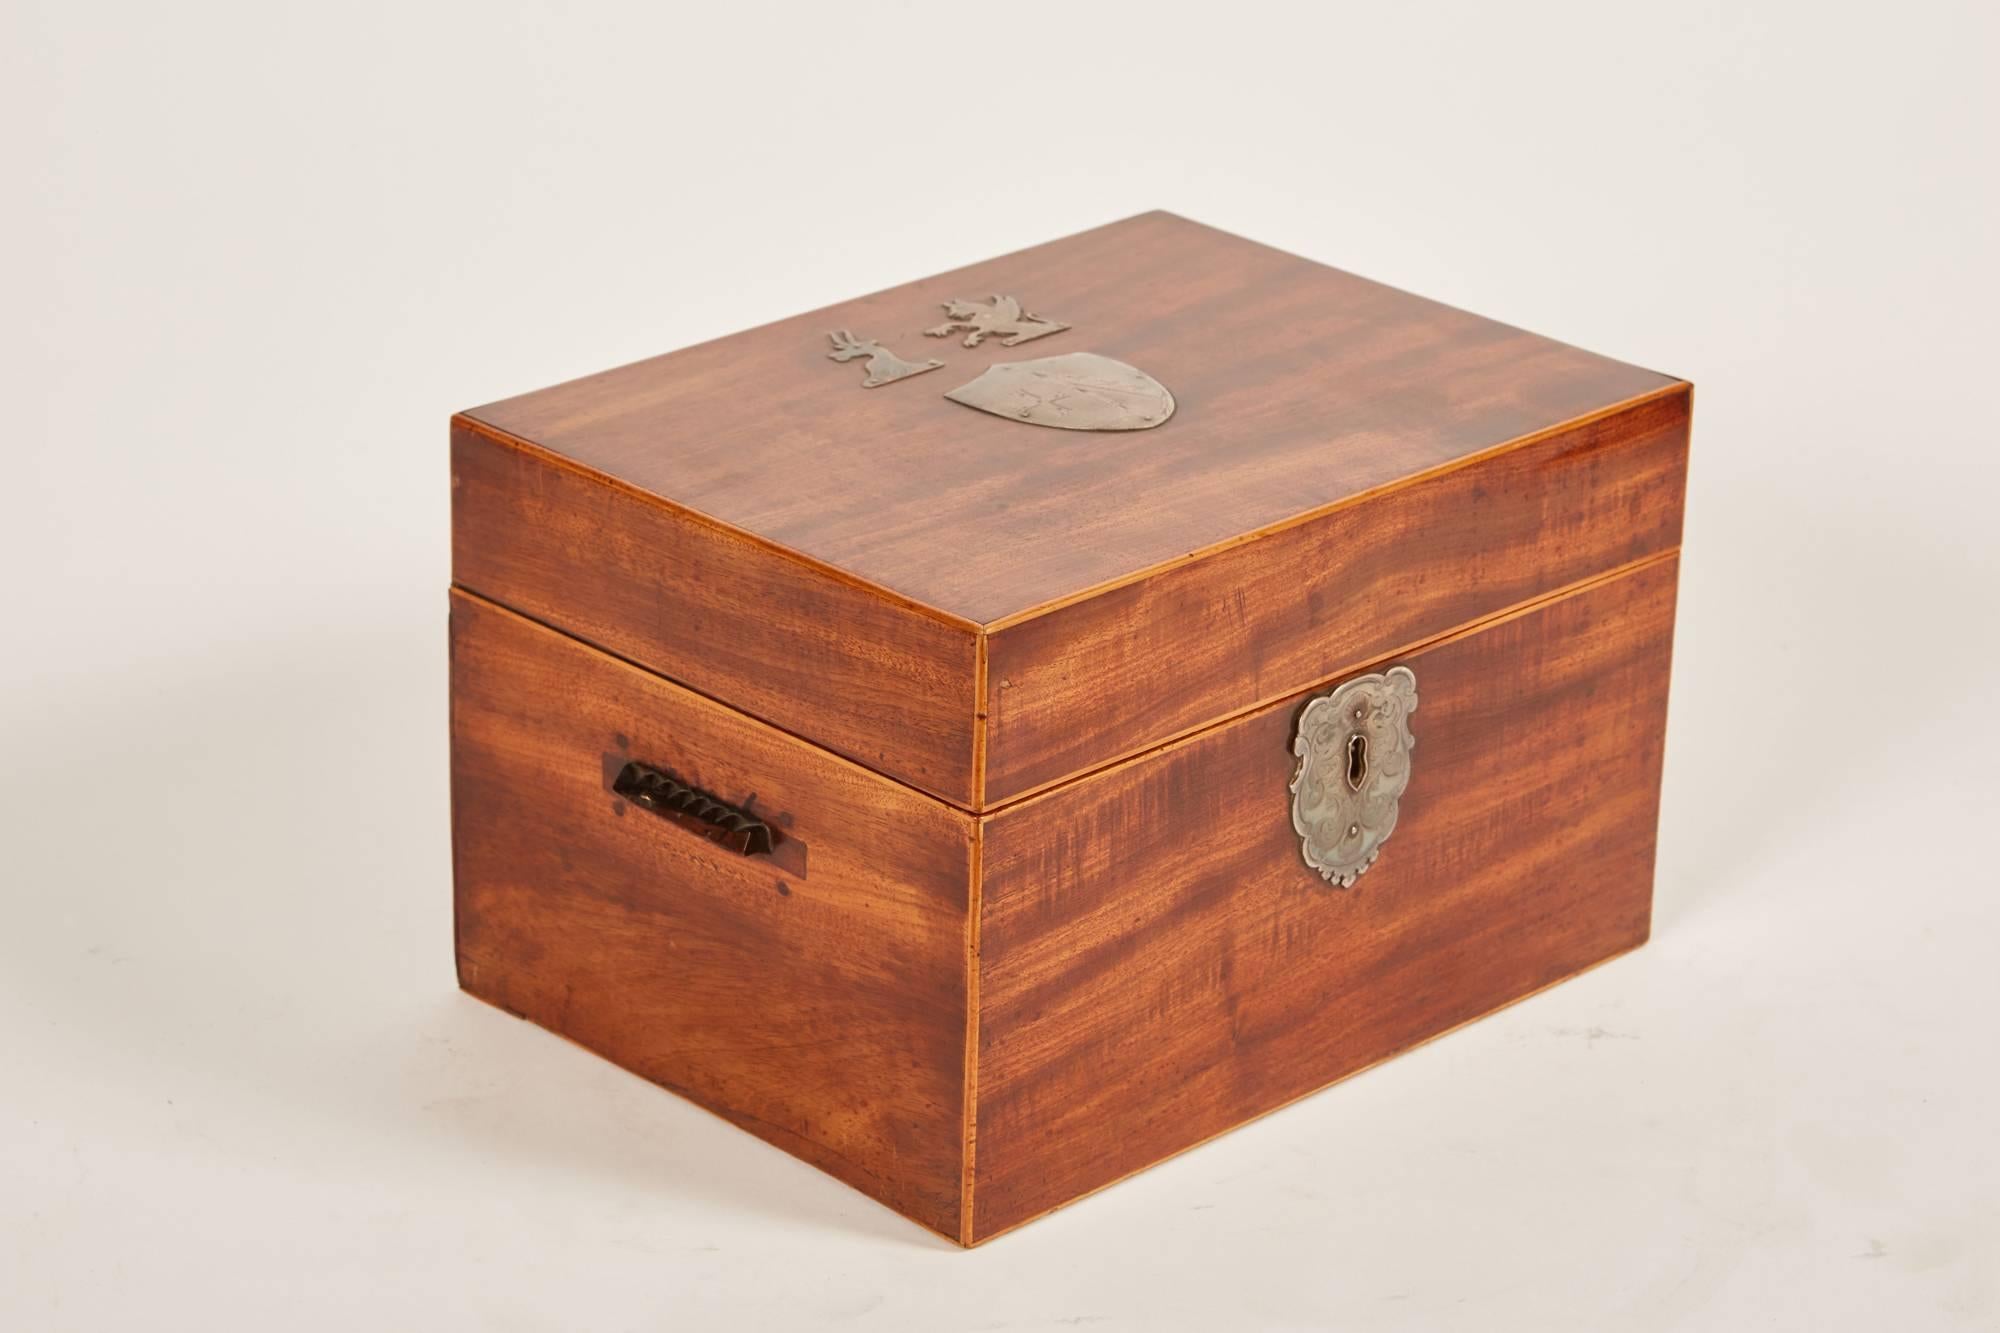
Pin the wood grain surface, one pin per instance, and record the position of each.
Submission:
(818, 1002)
(1084, 684)
(1156, 964)
(864, 675)
(1298, 386)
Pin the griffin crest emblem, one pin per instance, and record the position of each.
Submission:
(1003, 316)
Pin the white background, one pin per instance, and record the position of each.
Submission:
(255, 254)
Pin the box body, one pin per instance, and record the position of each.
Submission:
(1019, 708)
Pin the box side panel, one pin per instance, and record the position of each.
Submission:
(840, 664)
(1158, 964)
(1088, 683)
(816, 997)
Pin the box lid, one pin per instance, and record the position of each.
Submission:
(1084, 593)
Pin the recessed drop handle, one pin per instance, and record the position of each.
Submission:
(665, 795)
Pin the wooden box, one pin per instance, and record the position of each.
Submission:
(911, 780)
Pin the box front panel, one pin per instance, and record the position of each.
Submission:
(1157, 963)
(814, 994)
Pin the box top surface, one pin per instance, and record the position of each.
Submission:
(1295, 387)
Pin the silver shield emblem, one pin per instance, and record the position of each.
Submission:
(1078, 391)
(1354, 763)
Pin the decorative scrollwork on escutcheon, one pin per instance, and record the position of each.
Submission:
(1353, 746)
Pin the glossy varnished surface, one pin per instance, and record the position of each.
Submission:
(1298, 386)
(817, 999)
(1156, 963)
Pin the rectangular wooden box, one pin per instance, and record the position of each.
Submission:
(1019, 705)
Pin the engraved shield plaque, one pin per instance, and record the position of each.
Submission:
(1354, 749)
(1078, 391)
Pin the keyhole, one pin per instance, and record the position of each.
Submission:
(1357, 761)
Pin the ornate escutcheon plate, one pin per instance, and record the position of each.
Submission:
(1078, 391)
(1354, 749)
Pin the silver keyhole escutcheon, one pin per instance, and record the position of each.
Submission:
(1353, 746)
